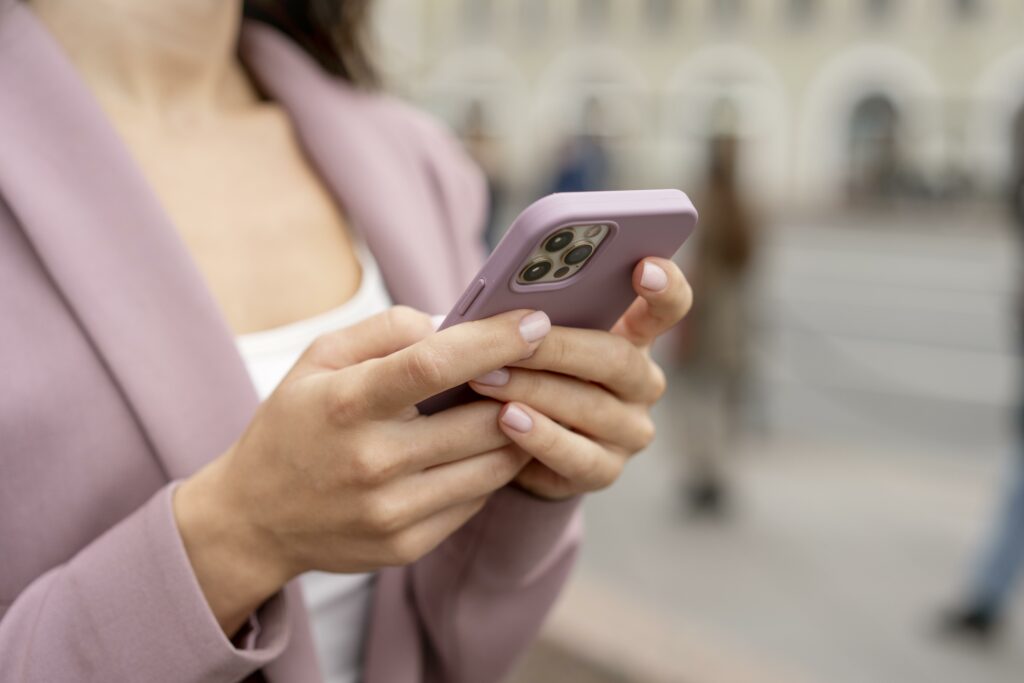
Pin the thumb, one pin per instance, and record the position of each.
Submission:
(375, 337)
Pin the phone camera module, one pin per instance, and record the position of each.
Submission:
(536, 270)
(559, 241)
(578, 254)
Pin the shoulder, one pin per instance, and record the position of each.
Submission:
(457, 178)
(429, 149)
(375, 141)
(407, 137)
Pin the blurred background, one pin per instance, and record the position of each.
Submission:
(837, 489)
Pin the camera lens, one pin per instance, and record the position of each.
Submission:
(536, 270)
(559, 241)
(578, 254)
(562, 272)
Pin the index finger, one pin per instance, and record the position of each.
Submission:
(446, 359)
(601, 357)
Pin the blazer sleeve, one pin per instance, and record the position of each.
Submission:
(481, 596)
(127, 607)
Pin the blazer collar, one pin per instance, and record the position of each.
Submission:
(110, 249)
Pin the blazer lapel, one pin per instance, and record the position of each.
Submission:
(112, 252)
(373, 170)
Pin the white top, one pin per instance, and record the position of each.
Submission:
(339, 604)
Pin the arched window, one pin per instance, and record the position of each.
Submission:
(728, 12)
(879, 11)
(594, 14)
(660, 15)
(964, 9)
(874, 166)
(801, 13)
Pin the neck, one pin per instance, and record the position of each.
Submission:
(165, 56)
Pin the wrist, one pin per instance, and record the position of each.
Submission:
(236, 566)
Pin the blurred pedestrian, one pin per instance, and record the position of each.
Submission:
(714, 347)
(486, 151)
(583, 162)
(982, 613)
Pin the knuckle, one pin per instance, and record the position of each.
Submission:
(426, 366)
(597, 472)
(384, 514)
(528, 383)
(622, 361)
(548, 440)
(659, 383)
(406, 318)
(321, 346)
(609, 474)
(341, 406)
(684, 300)
(622, 356)
(504, 466)
(368, 467)
(554, 353)
(498, 336)
(599, 404)
(405, 547)
(647, 430)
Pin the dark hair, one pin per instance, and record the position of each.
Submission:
(333, 32)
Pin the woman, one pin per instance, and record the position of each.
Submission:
(715, 350)
(183, 195)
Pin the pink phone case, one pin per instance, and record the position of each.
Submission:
(640, 223)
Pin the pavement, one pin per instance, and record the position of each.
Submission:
(862, 486)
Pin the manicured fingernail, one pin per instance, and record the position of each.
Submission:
(535, 326)
(517, 419)
(436, 321)
(494, 378)
(653, 277)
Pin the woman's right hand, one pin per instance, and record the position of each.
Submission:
(339, 472)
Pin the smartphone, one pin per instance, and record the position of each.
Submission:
(572, 256)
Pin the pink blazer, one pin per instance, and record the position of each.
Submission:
(118, 376)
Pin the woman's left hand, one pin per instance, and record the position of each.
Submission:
(581, 404)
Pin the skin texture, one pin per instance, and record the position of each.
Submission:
(337, 471)
(269, 240)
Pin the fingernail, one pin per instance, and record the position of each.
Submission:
(535, 326)
(494, 378)
(436, 321)
(653, 277)
(517, 419)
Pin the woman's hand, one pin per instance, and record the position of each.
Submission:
(580, 404)
(338, 471)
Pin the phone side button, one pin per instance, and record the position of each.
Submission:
(470, 296)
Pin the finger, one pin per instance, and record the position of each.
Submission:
(583, 406)
(412, 543)
(448, 436)
(375, 337)
(424, 494)
(602, 357)
(590, 465)
(664, 298)
(541, 480)
(451, 357)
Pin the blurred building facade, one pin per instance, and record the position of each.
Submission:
(837, 101)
